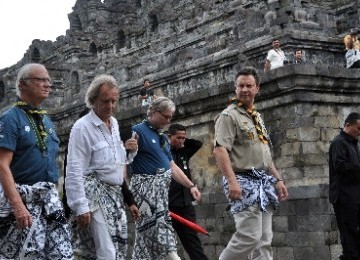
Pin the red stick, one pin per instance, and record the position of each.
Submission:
(189, 223)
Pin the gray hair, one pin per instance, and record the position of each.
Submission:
(160, 104)
(24, 73)
(94, 88)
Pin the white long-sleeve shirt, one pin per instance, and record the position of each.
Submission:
(93, 148)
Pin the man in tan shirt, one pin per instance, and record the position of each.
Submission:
(243, 155)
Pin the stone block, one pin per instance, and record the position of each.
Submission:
(279, 240)
(303, 134)
(218, 197)
(332, 237)
(220, 210)
(286, 208)
(293, 148)
(315, 159)
(283, 253)
(291, 173)
(304, 192)
(305, 239)
(313, 252)
(287, 161)
(320, 206)
(203, 211)
(308, 223)
(280, 223)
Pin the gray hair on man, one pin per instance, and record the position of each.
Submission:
(161, 104)
(24, 73)
(94, 88)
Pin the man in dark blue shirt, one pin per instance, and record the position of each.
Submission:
(180, 198)
(28, 174)
(152, 170)
(344, 192)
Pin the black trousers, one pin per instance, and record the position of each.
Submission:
(356, 64)
(348, 221)
(188, 237)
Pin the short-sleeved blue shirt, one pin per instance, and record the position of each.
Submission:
(153, 153)
(29, 164)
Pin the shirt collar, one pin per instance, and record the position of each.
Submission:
(95, 119)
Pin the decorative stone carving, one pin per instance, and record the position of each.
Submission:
(302, 16)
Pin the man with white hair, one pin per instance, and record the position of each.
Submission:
(33, 223)
(96, 167)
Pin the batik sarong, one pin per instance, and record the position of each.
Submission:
(257, 188)
(109, 200)
(154, 235)
(47, 238)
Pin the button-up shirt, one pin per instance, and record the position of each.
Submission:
(93, 148)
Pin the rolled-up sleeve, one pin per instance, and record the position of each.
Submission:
(225, 131)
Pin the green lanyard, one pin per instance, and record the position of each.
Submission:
(35, 117)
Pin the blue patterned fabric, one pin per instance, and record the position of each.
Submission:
(257, 188)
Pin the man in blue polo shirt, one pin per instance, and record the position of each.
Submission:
(30, 208)
(152, 169)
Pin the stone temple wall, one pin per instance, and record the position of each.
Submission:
(191, 50)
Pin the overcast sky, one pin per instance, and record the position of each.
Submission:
(22, 21)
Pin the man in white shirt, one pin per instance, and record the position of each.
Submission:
(96, 166)
(275, 58)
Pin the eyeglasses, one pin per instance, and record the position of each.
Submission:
(165, 116)
(41, 80)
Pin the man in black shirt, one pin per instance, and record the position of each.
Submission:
(180, 199)
(344, 191)
(146, 95)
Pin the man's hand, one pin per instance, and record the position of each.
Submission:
(282, 190)
(22, 215)
(135, 212)
(235, 192)
(84, 220)
(195, 193)
(131, 144)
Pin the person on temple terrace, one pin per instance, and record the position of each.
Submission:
(152, 170)
(32, 219)
(180, 198)
(146, 95)
(242, 152)
(275, 57)
(299, 57)
(344, 180)
(95, 172)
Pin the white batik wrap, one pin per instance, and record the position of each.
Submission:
(154, 236)
(109, 200)
(47, 238)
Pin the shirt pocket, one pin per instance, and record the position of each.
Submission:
(52, 142)
(247, 133)
(101, 153)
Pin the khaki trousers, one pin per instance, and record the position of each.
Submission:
(253, 236)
